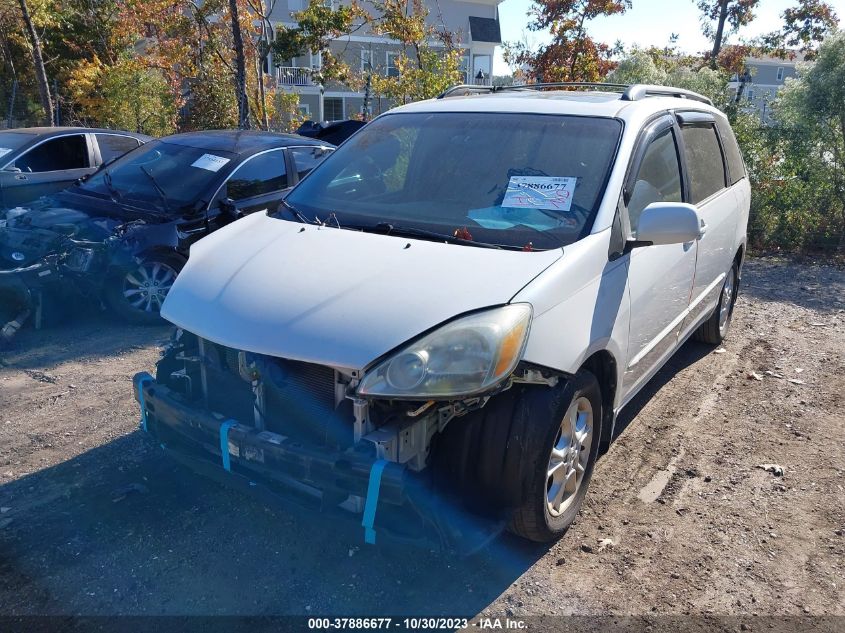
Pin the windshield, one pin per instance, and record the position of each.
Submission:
(518, 180)
(166, 176)
(10, 141)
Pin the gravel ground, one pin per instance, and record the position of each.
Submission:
(680, 519)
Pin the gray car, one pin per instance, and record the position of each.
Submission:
(42, 160)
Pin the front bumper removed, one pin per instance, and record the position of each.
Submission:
(386, 497)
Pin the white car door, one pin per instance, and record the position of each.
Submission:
(717, 207)
(660, 278)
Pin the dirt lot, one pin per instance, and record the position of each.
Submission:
(680, 518)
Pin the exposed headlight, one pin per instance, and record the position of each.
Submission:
(462, 358)
(80, 259)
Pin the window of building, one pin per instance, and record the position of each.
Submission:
(750, 94)
(704, 161)
(366, 60)
(391, 70)
(780, 73)
(464, 68)
(304, 110)
(259, 175)
(333, 108)
(658, 179)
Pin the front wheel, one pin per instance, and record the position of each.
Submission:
(138, 294)
(559, 458)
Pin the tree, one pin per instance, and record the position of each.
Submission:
(654, 66)
(717, 14)
(240, 66)
(804, 27)
(428, 61)
(38, 64)
(810, 117)
(124, 95)
(572, 55)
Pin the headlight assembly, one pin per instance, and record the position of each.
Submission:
(80, 259)
(465, 357)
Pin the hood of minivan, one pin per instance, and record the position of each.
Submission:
(334, 296)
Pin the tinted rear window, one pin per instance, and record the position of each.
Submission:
(736, 167)
(704, 161)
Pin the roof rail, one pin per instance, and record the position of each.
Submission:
(462, 90)
(636, 92)
(630, 92)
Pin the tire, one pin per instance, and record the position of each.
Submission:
(715, 329)
(496, 459)
(137, 295)
(542, 515)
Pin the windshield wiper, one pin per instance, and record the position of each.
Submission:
(389, 228)
(114, 194)
(297, 214)
(157, 187)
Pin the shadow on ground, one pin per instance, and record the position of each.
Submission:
(181, 544)
(86, 334)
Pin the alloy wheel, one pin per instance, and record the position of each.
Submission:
(570, 456)
(146, 287)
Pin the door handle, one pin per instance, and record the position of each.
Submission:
(21, 177)
(702, 229)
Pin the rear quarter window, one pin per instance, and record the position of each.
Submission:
(704, 161)
(736, 166)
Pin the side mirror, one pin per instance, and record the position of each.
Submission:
(668, 223)
(229, 208)
(14, 170)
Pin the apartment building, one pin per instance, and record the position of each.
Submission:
(475, 23)
(763, 78)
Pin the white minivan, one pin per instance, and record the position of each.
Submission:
(443, 320)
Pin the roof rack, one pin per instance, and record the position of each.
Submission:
(630, 92)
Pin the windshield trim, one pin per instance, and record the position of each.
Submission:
(602, 191)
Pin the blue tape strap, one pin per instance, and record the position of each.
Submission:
(141, 382)
(224, 443)
(372, 501)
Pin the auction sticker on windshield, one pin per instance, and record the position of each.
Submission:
(4, 151)
(553, 193)
(210, 162)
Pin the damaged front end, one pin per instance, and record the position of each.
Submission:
(42, 270)
(303, 430)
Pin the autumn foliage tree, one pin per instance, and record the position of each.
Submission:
(804, 27)
(720, 17)
(572, 55)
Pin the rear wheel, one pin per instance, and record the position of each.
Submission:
(138, 294)
(715, 329)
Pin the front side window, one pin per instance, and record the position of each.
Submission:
(65, 152)
(704, 161)
(162, 175)
(658, 178)
(259, 175)
(510, 179)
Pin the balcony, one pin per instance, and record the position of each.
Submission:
(293, 76)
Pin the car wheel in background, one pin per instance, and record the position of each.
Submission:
(138, 294)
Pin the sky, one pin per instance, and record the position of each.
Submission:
(648, 22)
